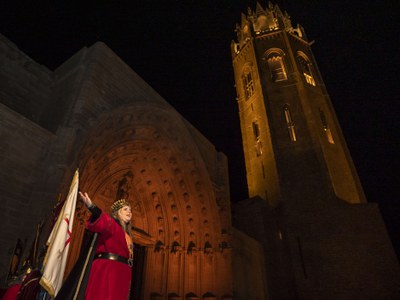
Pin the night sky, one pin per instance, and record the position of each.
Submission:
(182, 49)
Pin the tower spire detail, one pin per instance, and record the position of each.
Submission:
(260, 10)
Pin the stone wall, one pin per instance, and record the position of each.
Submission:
(22, 152)
(334, 251)
(249, 278)
(24, 84)
(342, 251)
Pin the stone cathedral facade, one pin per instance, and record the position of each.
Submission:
(96, 114)
(306, 231)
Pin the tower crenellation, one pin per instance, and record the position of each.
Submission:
(266, 20)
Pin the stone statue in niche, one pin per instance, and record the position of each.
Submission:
(191, 248)
(124, 186)
(159, 247)
(208, 249)
(224, 245)
(175, 247)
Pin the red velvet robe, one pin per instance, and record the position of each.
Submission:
(12, 292)
(109, 280)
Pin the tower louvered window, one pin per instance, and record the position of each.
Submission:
(248, 84)
(277, 68)
(307, 69)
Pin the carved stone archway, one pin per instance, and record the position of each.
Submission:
(148, 155)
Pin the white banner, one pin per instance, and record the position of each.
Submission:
(59, 241)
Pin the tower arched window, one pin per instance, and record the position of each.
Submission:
(276, 64)
(289, 123)
(248, 84)
(306, 68)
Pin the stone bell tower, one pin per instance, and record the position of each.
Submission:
(307, 207)
(288, 124)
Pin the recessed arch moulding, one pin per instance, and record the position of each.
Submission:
(148, 155)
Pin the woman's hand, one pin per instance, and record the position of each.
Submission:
(86, 199)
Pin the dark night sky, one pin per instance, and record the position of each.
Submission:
(182, 49)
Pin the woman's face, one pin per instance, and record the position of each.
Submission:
(125, 214)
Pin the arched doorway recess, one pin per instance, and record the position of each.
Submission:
(148, 155)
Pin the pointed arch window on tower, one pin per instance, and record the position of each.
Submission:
(257, 143)
(307, 69)
(277, 68)
(276, 64)
(308, 74)
(248, 84)
(289, 123)
(325, 127)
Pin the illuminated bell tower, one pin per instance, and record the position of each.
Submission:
(292, 141)
(319, 237)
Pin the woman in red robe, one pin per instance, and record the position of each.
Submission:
(111, 273)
